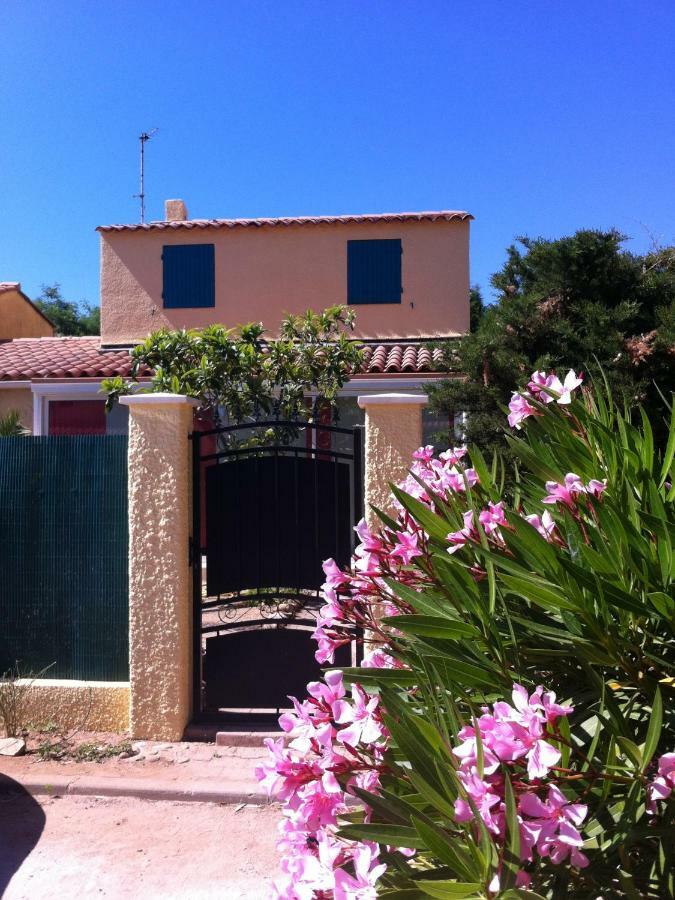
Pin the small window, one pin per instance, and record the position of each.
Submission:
(374, 271)
(189, 276)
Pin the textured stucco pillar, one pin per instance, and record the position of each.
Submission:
(160, 622)
(393, 433)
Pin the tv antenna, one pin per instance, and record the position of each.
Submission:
(143, 138)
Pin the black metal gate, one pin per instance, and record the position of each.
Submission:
(272, 500)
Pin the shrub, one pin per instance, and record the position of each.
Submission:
(454, 770)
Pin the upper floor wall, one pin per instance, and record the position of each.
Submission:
(405, 275)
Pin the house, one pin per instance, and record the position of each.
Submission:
(19, 318)
(405, 274)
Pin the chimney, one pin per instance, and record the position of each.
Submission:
(175, 211)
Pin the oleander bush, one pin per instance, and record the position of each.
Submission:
(511, 730)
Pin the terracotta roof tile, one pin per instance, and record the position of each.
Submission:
(60, 357)
(82, 357)
(443, 215)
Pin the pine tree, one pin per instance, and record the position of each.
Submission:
(579, 302)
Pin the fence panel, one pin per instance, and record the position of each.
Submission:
(63, 556)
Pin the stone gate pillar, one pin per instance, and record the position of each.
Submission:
(160, 599)
(393, 433)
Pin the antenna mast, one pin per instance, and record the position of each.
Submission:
(143, 138)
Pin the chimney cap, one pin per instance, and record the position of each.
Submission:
(175, 211)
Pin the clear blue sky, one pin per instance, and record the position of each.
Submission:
(538, 117)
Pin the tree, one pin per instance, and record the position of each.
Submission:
(241, 373)
(577, 302)
(67, 317)
(476, 307)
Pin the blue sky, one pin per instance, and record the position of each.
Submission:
(538, 117)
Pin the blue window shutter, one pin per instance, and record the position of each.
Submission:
(374, 271)
(189, 279)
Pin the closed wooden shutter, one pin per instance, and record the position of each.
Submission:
(374, 271)
(189, 276)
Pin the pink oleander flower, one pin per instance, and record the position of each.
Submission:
(458, 479)
(362, 718)
(367, 871)
(562, 391)
(406, 548)
(328, 643)
(663, 785)
(492, 517)
(453, 456)
(515, 732)
(320, 802)
(283, 776)
(544, 525)
(596, 488)
(424, 454)
(459, 538)
(520, 409)
(540, 386)
(572, 488)
(378, 658)
(485, 799)
(556, 822)
(370, 542)
(565, 493)
(334, 574)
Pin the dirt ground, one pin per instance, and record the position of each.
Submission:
(84, 847)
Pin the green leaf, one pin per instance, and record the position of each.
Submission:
(455, 672)
(654, 729)
(433, 626)
(449, 890)
(669, 453)
(540, 592)
(511, 859)
(376, 677)
(434, 525)
(631, 750)
(447, 849)
(393, 835)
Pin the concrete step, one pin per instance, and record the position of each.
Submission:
(251, 735)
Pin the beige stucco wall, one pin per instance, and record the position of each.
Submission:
(263, 272)
(20, 319)
(160, 622)
(87, 705)
(393, 433)
(20, 399)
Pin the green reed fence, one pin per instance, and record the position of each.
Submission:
(63, 556)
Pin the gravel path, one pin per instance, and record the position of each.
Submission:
(84, 847)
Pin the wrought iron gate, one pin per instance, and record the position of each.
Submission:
(266, 514)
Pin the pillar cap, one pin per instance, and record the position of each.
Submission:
(158, 399)
(392, 400)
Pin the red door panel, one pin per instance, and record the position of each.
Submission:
(76, 417)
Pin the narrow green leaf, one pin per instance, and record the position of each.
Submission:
(433, 626)
(447, 849)
(669, 453)
(449, 890)
(631, 750)
(654, 729)
(434, 525)
(511, 860)
(393, 835)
